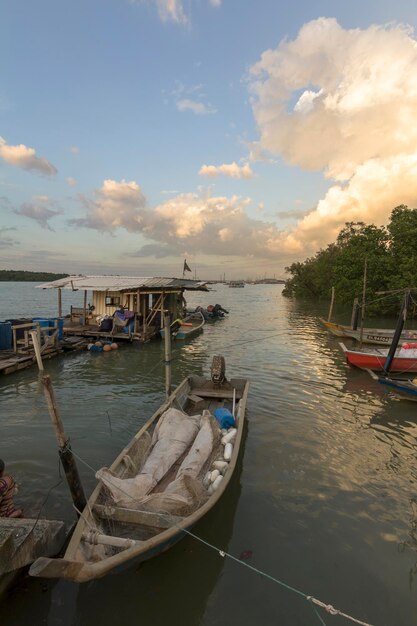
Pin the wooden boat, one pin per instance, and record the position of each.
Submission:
(405, 360)
(110, 533)
(189, 326)
(375, 336)
(237, 283)
(403, 387)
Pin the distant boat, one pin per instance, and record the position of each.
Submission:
(159, 485)
(236, 283)
(187, 327)
(375, 336)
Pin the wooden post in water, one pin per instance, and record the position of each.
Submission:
(59, 302)
(363, 302)
(329, 317)
(167, 337)
(65, 453)
(355, 314)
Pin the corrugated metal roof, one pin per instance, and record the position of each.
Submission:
(123, 283)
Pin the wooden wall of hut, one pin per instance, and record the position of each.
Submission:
(106, 302)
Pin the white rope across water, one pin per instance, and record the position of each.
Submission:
(314, 601)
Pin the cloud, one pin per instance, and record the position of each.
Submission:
(5, 240)
(215, 225)
(41, 211)
(71, 181)
(173, 10)
(233, 170)
(114, 204)
(199, 108)
(343, 102)
(25, 158)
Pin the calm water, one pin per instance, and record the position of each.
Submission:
(325, 499)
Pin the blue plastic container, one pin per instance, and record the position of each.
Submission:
(5, 336)
(224, 417)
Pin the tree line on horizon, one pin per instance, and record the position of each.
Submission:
(23, 275)
(391, 256)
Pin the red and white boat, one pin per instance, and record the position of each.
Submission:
(405, 358)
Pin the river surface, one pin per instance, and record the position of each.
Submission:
(325, 498)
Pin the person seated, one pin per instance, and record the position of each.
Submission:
(8, 489)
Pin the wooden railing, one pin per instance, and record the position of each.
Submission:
(48, 333)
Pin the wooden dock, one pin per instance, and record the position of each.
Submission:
(11, 361)
(23, 540)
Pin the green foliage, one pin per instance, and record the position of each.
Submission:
(391, 257)
(21, 275)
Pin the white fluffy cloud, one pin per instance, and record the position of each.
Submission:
(212, 225)
(114, 204)
(345, 102)
(197, 107)
(25, 158)
(233, 170)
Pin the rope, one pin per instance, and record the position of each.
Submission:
(314, 601)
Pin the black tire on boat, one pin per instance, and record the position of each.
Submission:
(218, 369)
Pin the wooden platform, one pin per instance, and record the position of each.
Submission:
(93, 332)
(23, 540)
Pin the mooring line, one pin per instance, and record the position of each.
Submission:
(311, 599)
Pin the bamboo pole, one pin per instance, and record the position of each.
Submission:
(85, 307)
(355, 313)
(363, 302)
(65, 453)
(167, 337)
(331, 306)
(144, 315)
(137, 313)
(36, 345)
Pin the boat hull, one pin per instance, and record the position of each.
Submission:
(373, 336)
(404, 388)
(373, 361)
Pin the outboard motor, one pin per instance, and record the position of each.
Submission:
(218, 370)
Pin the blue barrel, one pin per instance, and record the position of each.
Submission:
(60, 321)
(43, 323)
(5, 336)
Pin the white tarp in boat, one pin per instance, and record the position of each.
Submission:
(173, 434)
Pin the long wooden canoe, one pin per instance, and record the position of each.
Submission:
(374, 359)
(110, 533)
(375, 336)
(190, 326)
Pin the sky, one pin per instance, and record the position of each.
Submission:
(237, 134)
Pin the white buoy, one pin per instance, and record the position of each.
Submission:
(214, 474)
(231, 436)
(217, 482)
(220, 465)
(228, 449)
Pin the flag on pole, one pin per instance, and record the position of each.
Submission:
(186, 268)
